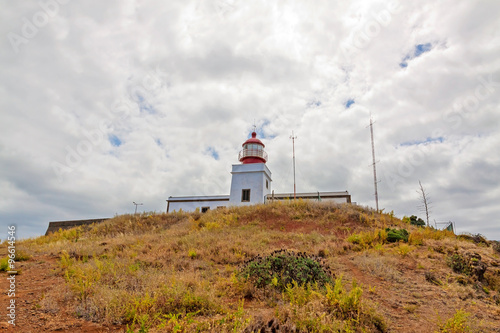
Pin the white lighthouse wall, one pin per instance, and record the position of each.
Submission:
(250, 176)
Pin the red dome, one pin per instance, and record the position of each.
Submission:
(253, 151)
(253, 139)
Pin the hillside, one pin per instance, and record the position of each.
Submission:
(279, 267)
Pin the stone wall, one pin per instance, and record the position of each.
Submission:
(55, 226)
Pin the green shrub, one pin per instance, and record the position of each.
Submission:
(396, 235)
(417, 221)
(283, 267)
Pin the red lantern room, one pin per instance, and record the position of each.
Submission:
(253, 151)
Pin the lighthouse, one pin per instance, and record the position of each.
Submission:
(251, 178)
(250, 185)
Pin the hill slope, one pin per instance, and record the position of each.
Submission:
(229, 270)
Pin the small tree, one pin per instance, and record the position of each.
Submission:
(424, 199)
(417, 221)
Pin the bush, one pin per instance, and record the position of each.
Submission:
(458, 323)
(459, 264)
(368, 238)
(283, 267)
(417, 221)
(396, 235)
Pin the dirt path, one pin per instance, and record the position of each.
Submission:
(37, 279)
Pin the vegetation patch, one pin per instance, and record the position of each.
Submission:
(459, 323)
(475, 238)
(189, 272)
(283, 268)
(333, 308)
(368, 239)
(432, 278)
(396, 235)
(458, 264)
(413, 220)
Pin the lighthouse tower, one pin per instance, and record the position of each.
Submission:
(251, 180)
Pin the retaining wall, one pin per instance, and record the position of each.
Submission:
(55, 226)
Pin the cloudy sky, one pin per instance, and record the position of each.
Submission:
(103, 103)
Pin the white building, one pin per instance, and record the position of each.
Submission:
(250, 184)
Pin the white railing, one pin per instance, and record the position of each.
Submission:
(252, 153)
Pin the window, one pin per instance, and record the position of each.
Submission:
(204, 209)
(267, 184)
(245, 195)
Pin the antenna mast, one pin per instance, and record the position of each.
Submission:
(374, 162)
(293, 147)
(136, 204)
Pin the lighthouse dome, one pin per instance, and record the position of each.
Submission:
(253, 139)
(253, 151)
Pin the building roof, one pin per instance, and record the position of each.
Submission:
(199, 198)
(325, 195)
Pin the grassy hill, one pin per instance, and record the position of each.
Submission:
(298, 267)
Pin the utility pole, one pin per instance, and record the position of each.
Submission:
(136, 204)
(293, 148)
(374, 162)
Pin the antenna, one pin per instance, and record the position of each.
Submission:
(374, 163)
(254, 126)
(293, 149)
(136, 204)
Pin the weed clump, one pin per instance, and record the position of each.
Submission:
(282, 268)
(330, 309)
(431, 277)
(4, 264)
(460, 322)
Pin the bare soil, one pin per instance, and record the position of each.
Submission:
(38, 278)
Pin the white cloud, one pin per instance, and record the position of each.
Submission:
(171, 81)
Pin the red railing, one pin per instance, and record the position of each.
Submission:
(252, 153)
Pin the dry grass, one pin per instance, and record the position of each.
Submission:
(179, 271)
(383, 267)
